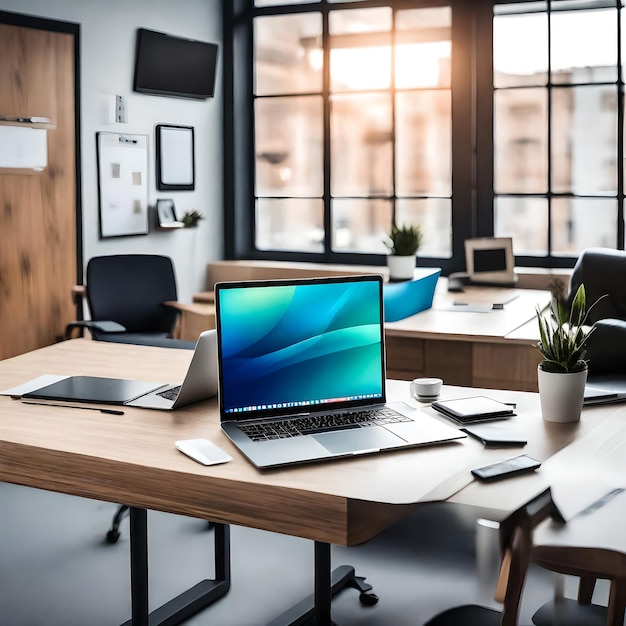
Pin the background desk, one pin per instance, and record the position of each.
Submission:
(474, 349)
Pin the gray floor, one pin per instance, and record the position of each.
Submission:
(56, 570)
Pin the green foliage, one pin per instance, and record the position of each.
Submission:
(191, 218)
(563, 334)
(405, 240)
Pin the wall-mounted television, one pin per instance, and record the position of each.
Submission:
(166, 65)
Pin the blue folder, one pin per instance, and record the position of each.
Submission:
(407, 298)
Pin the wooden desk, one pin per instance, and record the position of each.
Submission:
(465, 346)
(132, 459)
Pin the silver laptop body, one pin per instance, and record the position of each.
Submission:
(312, 349)
(200, 380)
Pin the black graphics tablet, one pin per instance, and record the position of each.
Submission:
(93, 389)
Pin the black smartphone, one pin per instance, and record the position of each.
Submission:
(504, 469)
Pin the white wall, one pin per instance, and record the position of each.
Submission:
(107, 64)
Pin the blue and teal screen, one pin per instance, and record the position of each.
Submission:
(285, 346)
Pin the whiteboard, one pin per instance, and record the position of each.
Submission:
(122, 184)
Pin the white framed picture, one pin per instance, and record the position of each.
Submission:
(175, 162)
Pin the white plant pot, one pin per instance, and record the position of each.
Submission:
(401, 267)
(561, 395)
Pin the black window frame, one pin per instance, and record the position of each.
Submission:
(472, 89)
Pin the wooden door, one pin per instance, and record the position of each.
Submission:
(38, 211)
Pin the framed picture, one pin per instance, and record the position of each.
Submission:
(490, 260)
(166, 214)
(175, 165)
(122, 184)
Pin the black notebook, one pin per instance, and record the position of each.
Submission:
(473, 409)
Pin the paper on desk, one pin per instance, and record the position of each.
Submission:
(466, 307)
(32, 385)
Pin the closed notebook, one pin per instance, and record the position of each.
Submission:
(473, 409)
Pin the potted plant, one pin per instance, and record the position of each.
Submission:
(403, 243)
(563, 372)
(191, 218)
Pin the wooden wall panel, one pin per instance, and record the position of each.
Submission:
(38, 211)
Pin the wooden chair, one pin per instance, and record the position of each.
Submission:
(515, 535)
(591, 546)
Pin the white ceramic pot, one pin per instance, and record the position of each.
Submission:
(561, 395)
(401, 267)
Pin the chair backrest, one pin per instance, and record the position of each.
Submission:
(515, 546)
(603, 271)
(130, 289)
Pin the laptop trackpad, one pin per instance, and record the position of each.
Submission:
(355, 439)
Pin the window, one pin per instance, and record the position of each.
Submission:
(556, 119)
(470, 118)
(353, 134)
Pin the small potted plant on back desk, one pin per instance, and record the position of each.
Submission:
(403, 243)
(563, 372)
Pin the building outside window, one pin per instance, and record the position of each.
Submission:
(362, 115)
(557, 186)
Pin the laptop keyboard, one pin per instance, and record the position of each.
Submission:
(170, 394)
(312, 424)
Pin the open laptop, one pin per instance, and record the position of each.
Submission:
(295, 357)
(605, 389)
(200, 382)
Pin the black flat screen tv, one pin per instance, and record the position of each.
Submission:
(166, 65)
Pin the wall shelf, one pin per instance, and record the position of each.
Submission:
(30, 122)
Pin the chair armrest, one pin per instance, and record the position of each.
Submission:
(104, 326)
(193, 319)
(78, 293)
(180, 306)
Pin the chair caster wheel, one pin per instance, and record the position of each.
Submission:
(112, 536)
(368, 599)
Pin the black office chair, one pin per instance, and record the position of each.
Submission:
(132, 299)
(603, 272)
(515, 547)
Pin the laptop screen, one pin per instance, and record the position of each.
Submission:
(290, 346)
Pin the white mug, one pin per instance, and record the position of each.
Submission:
(426, 388)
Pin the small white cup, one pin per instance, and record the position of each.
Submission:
(426, 389)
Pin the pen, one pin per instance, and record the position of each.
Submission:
(73, 406)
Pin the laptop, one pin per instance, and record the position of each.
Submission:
(200, 382)
(302, 372)
(605, 389)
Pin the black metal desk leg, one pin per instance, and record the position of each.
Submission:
(183, 606)
(315, 609)
(139, 566)
(323, 592)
